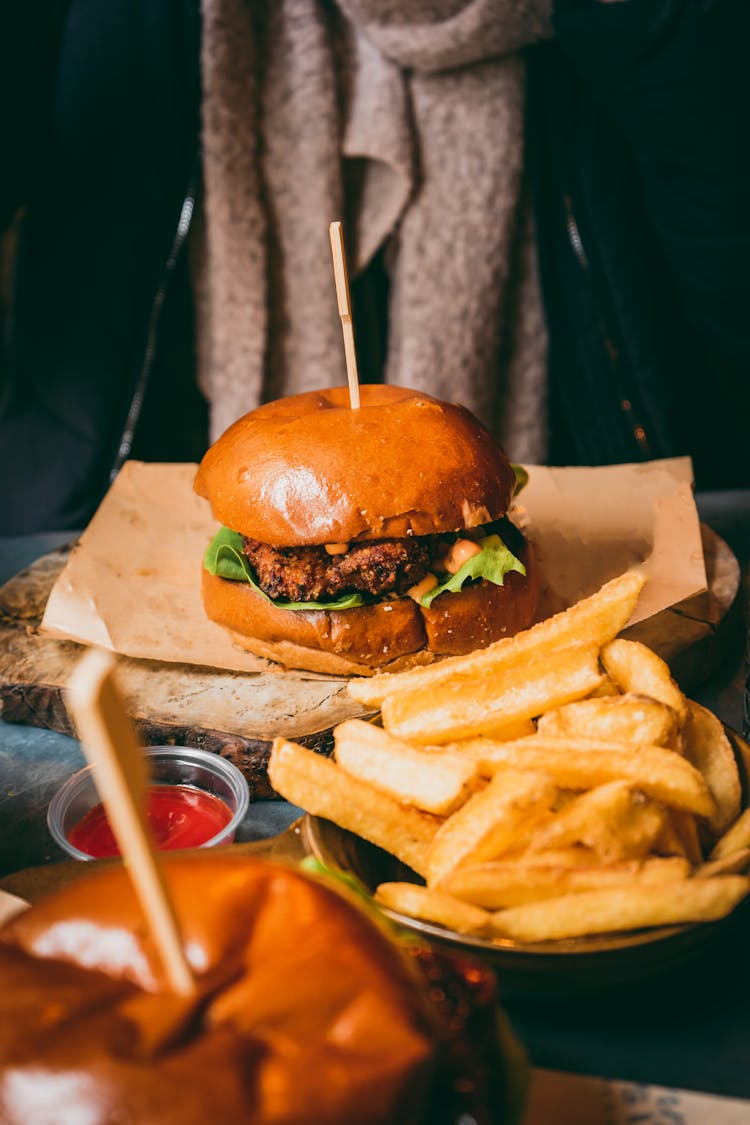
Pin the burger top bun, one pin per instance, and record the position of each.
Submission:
(309, 469)
(305, 1012)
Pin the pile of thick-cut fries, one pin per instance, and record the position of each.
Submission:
(553, 785)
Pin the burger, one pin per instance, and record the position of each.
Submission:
(361, 540)
(306, 1011)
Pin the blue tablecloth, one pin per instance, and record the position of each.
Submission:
(689, 1026)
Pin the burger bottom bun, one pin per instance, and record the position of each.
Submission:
(483, 612)
(290, 655)
(304, 1011)
(388, 636)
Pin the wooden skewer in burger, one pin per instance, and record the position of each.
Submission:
(343, 297)
(112, 749)
(364, 528)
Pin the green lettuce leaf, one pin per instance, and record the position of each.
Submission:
(314, 866)
(224, 557)
(522, 477)
(493, 562)
(355, 886)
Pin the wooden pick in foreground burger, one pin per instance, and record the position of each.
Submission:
(305, 1012)
(358, 540)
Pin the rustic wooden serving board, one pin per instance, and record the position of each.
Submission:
(238, 714)
(234, 714)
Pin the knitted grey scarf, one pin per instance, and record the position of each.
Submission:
(405, 119)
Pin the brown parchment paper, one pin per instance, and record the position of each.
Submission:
(132, 584)
(589, 525)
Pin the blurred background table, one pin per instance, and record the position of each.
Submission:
(688, 1026)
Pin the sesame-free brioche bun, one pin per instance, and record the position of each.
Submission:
(305, 1013)
(309, 470)
(306, 1009)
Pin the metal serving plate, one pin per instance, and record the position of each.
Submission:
(568, 965)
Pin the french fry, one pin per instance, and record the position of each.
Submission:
(679, 837)
(686, 830)
(324, 789)
(490, 821)
(615, 820)
(671, 841)
(622, 908)
(540, 798)
(584, 764)
(438, 782)
(710, 751)
(633, 719)
(433, 906)
(738, 863)
(590, 622)
(510, 731)
(606, 688)
(736, 837)
(742, 750)
(499, 883)
(635, 668)
(575, 856)
(463, 708)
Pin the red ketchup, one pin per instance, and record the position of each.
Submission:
(178, 816)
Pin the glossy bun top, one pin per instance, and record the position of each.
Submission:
(309, 469)
(306, 1013)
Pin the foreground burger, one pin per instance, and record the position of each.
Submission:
(305, 1013)
(356, 540)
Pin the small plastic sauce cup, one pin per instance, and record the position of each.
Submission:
(194, 799)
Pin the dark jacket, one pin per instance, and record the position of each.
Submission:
(98, 360)
(639, 151)
(639, 135)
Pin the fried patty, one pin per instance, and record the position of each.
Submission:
(308, 574)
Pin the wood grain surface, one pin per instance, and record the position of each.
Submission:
(234, 714)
